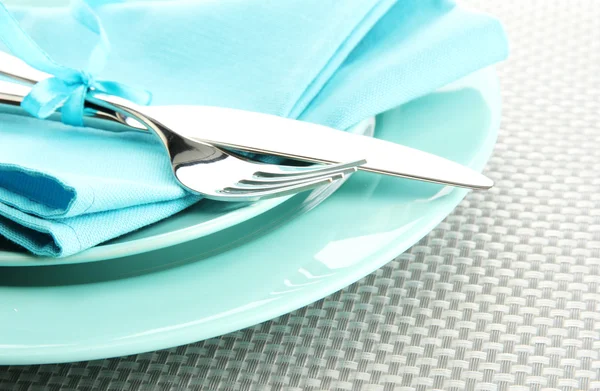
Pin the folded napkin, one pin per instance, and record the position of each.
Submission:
(64, 189)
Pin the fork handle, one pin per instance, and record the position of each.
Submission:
(110, 108)
(11, 95)
(18, 70)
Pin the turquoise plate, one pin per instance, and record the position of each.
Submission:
(180, 294)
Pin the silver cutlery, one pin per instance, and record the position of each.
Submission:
(273, 135)
(216, 174)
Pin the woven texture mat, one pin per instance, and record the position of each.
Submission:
(503, 295)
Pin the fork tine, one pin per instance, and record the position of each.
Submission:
(245, 195)
(275, 173)
(260, 183)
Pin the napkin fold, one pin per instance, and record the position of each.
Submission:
(64, 189)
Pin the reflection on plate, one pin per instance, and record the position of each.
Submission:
(60, 313)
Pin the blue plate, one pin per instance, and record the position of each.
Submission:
(182, 294)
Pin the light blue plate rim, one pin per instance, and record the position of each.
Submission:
(187, 314)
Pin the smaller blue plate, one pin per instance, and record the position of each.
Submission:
(205, 218)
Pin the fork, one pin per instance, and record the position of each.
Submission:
(207, 170)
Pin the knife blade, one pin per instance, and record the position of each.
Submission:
(273, 135)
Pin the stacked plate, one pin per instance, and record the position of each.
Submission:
(219, 267)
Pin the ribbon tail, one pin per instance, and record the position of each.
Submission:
(46, 97)
(22, 46)
(82, 12)
(68, 89)
(72, 110)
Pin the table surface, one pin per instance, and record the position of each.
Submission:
(521, 307)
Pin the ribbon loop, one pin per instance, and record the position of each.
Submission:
(68, 87)
(87, 78)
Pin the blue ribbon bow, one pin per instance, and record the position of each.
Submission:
(68, 87)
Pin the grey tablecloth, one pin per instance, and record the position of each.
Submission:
(520, 305)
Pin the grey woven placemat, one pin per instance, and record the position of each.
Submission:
(503, 295)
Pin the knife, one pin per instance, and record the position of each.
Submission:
(273, 135)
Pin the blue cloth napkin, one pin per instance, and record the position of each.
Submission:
(64, 189)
